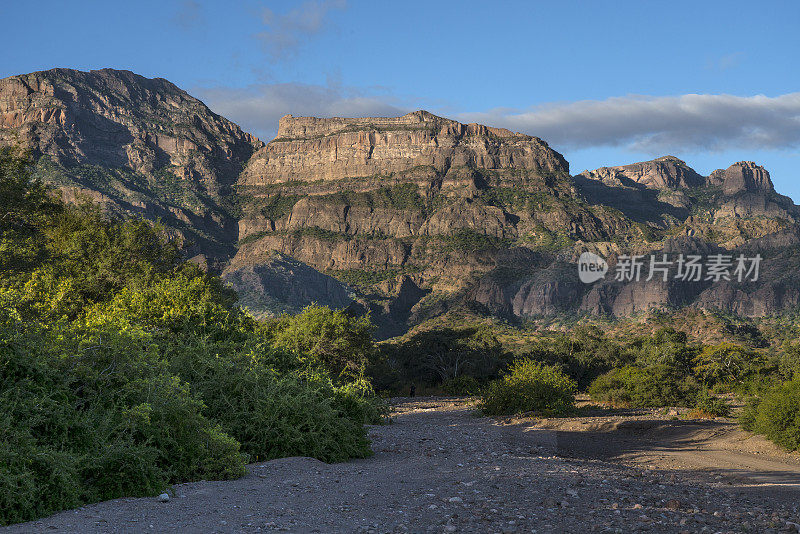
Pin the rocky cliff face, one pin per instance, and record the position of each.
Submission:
(664, 172)
(137, 145)
(741, 177)
(309, 149)
(469, 215)
(406, 217)
(418, 197)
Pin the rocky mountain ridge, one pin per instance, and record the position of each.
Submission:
(669, 172)
(135, 145)
(407, 217)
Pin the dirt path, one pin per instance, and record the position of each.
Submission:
(439, 468)
(718, 447)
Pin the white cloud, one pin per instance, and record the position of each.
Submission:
(688, 123)
(257, 108)
(286, 31)
(655, 125)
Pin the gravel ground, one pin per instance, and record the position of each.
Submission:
(439, 468)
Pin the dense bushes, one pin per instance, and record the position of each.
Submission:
(124, 369)
(776, 415)
(584, 355)
(273, 414)
(666, 370)
(461, 385)
(442, 356)
(321, 338)
(529, 386)
(644, 387)
(709, 405)
(97, 418)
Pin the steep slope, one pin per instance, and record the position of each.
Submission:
(405, 217)
(663, 172)
(136, 145)
(733, 212)
(422, 197)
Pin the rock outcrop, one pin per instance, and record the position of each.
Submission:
(137, 145)
(741, 177)
(664, 172)
(282, 284)
(309, 149)
(419, 197)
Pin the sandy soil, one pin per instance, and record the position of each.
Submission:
(441, 468)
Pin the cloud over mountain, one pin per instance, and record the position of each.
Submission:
(663, 124)
(257, 108)
(692, 122)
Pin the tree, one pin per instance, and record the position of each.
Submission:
(330, 339)
(725, 363)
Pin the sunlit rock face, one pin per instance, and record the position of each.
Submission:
(138, 146)
(405, 217)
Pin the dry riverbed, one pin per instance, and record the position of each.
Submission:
(440, 468)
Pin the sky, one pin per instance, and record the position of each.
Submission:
(603, 82)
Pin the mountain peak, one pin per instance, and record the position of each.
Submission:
(337, 148)
(660, 173)
(154, 144)
(743, 176)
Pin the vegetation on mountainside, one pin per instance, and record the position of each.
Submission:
(124, 369)
(278, 206)
(467, 240)
(128, 186)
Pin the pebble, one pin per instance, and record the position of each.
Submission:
(164, 497)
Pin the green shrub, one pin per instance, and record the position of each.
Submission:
(584, 355)
(97, 417)
(637, 387)
(431, 357)
(327, 340)
(357, 401)
(725, 364)
(271, 415)
(776, 415)
(530, 386)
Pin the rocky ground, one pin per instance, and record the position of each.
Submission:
(441, 468)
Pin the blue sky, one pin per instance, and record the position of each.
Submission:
(605, 83)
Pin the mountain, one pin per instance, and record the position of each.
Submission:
(412, 209)
(407, 218)
(664, 172)
(135, 145)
